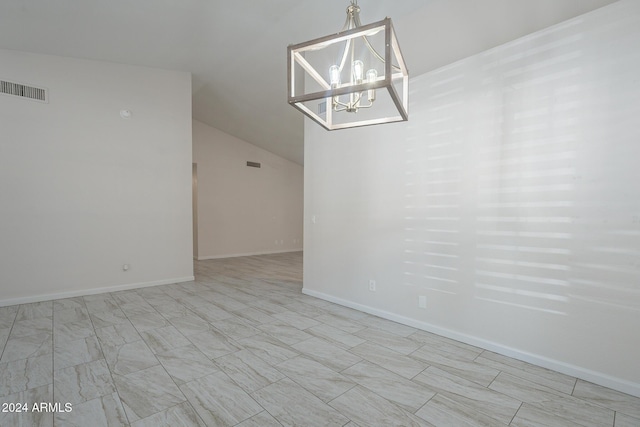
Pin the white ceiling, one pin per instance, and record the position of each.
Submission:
(236, 50)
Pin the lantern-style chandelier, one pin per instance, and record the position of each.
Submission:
(356, 77)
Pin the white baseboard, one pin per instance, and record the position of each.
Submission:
(283, 251)
(84, 292)
(555, 365)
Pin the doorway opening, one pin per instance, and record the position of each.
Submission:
(194, 207)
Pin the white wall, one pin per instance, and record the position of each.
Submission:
(244, 210)
(510, 199)
(83, 191)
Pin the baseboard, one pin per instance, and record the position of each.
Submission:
(283, 251)
(555, 365)
(84, 292)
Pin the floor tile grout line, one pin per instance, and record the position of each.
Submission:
(9, 335)
(519, 375)
(592, 402)
(248, 394)
(372, 392)
(516, 413)
(425, 404)
(284, 375)
(573, 390)
(157, 360)
(439, 391)
(53, 364)
(113, 381)
(493, 380)
(555, 393)
(419, 373)
(481, 353)
(296, 382)
(213, 360)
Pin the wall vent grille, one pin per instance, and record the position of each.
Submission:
(253, 164)
(24, 91)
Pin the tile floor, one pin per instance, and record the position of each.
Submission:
(241, 346)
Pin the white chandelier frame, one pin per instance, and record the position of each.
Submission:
(331, 92)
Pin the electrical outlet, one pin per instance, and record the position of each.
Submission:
(422, 301)
(372, 285)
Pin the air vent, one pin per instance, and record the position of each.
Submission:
(253, 164)
(24, 91)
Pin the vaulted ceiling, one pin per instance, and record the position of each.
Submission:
(236, 50)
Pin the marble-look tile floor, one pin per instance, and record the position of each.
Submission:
(242, 346)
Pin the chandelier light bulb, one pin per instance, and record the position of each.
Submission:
(372, 76)
(334, 75)
(358, 71)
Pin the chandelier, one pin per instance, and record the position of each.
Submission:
(356, 77)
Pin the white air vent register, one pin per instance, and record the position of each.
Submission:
(24, 91)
